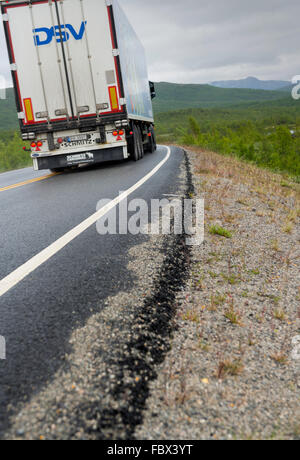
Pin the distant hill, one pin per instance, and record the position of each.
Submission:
(252, 83)
(170, 125)
(287, 88)
(8, 111)
(172, 96)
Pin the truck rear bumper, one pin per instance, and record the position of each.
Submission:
(92, 157)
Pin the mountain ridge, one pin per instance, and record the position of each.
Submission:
(170, 96)
(252, 83)
(177, 96)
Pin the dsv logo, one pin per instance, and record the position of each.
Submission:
(44, 36)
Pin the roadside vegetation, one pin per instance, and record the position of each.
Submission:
(267, 135)
(12, 155)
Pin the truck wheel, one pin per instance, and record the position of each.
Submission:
(142, 151)
(151, 147)
(137, 144)
(154, 138)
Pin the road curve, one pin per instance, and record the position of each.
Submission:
(39, 314)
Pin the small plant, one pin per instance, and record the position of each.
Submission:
(190, 315)
(260, 318)
(280, 358)
(217, 256)
(220, 231)
(231, 279)
(233, 316)
(276, 299)
(255, 271)
(274, 244)
(285, 184)
(213, 274)
(292, 217)
(217, 300)
(204, 346)
(243, 202)
(288, 227)
(232, 368)
(229, 218)
(280, 315)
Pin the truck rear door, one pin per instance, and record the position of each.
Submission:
(63, 61)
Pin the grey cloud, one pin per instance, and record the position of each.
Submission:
(199, 41)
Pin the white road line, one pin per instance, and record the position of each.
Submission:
(23, 271)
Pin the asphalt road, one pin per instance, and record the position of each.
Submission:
(38, 314)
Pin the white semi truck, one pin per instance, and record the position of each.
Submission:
(80, 76)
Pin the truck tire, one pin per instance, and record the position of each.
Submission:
(142, 151)
(137, 144)
(154, 138)
(151, 147)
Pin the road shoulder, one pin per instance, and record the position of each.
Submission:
(233, 370)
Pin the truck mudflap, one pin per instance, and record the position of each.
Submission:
(69, 160)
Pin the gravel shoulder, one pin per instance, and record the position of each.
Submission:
(233, 371)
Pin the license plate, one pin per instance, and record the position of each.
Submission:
(80, 137)
(80, 157)
(76, 143)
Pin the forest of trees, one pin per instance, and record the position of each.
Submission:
(277, 148)
(267, 134)
(12, 155)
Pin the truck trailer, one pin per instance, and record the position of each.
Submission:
(81, 82)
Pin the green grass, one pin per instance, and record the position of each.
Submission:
(217, 230)
(259, 133)
(12, 156)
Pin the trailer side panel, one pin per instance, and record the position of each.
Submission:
(134, 68)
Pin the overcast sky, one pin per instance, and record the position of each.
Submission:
(197, 41)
